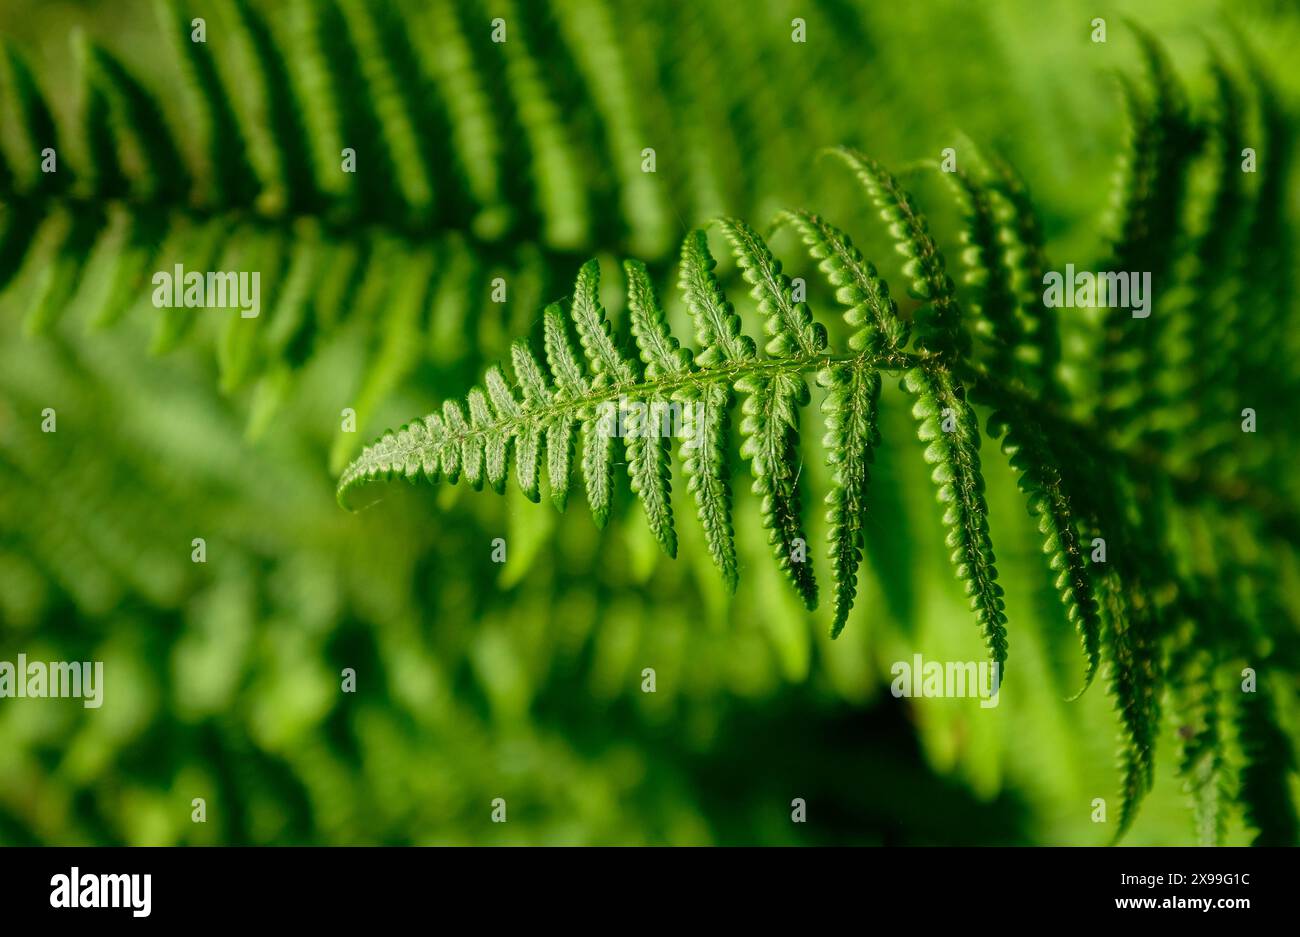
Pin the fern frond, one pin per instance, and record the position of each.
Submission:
(1201, 764)
(570, 384)
(1134, 682)
(479, 157)
(770, 427)
(1030, 454)
(29, 118)
(947, 424)
(704, 454)
(949, 428)
(938, 325)
(609, 367)
(788, 324)
(774, 390)
(852, 392)
(1268, 769)
(993, 310)
(1146, 232)
(871, 311)
(717, 327)
(150, 157)
(1025, 259)
(649, 442)
(771, 443)
(501, 421)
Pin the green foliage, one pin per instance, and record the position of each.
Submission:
(522, 159)
(1269, 760)
(1120, 612)
(466, 166)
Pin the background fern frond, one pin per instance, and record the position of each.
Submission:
(1270, 760)
(1030, 454)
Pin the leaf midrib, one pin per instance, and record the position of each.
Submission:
(566, 405)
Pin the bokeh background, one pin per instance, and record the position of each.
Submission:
(523, 681)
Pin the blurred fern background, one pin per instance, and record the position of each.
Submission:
(523, 681)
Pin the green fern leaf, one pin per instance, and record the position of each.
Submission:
(1146, 230)
(1031, 456)
(705, 461)
(537, 399)
(938, 327)
(852, 392)
(770, 432)
(1024, 257)
(570, 384)
(1134, 679)
(608, 365)
(609, 368)
(789, 325)
(993, 311)
(950, 429)
(717, 327)
(858, 286)
(145, 147)
(770, 428)
(1201, 763)
(1266, 776)
(33, 125)
(649, 444)
(947, 424)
